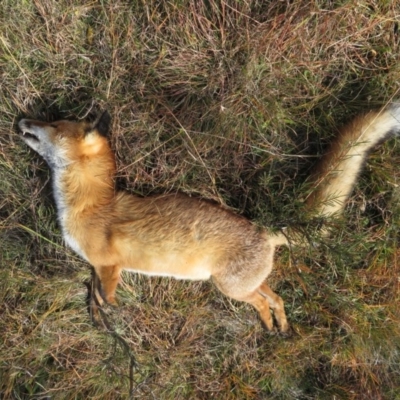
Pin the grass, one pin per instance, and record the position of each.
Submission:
(231, 100)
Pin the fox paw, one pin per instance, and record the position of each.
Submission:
(112, 301)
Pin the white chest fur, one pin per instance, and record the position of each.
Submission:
(63, 213)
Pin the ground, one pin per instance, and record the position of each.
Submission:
(233, 101)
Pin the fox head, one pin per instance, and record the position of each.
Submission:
(62, 143)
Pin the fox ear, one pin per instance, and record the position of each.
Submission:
(103, 123)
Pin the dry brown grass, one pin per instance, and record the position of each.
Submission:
(231, 100)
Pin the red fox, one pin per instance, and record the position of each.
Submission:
(176, 235)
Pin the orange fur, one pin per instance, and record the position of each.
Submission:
(176, 235)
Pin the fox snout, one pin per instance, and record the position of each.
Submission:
(24, 126)
(31, 129)
(30, 133)
(39, 137)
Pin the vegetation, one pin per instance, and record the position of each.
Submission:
(230, 100)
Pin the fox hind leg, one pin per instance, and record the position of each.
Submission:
(263, 299)
(261, 304)
(277, 305)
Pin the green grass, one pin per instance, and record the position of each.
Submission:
(231, 100)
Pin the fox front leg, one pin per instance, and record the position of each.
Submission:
(108, 278)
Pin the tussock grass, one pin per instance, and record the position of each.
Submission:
(232, 101)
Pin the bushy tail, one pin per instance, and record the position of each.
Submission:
(336, 174)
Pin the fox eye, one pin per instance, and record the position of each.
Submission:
(53, 125)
